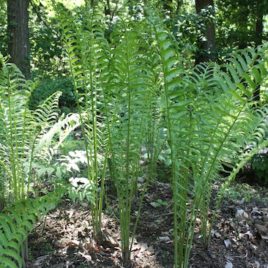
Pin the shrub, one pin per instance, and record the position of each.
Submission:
(260, 167)
(47, 87)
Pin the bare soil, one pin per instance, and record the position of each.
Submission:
(239, 236)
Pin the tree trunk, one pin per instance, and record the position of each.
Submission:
(206, 47)
(18, 34)
(259, 29)
(107, 8)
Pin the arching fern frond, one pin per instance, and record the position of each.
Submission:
(17, 221)
(53, 137)
(47, 113)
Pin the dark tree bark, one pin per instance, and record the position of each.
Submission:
(90, 3)
(259, 29)
(260, 11)
(207, 47)
(107, 9)
(18, 34)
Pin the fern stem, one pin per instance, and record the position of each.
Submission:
(128, 201)
(173, 157)
(11, 139)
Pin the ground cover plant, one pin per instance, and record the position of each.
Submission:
(138, 100)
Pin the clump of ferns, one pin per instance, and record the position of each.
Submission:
(16, 129)
(237, 121)
(205, 128)
(200, 130)
(26, 136)
(131, 95)
(20, 133)
(87, 52)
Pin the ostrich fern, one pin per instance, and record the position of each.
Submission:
(114, 88)
(87, 54)
(17, 221)
(209, 113)
(26, 136)
(131, 95)
(207, 128)
(16, 130)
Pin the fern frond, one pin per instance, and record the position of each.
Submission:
(47, 113)
(88, 58)
(17, 129)
(17, 221)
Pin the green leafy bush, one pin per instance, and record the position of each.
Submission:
(71, 144)
(243, 192)
(260, 167)
(43, 89)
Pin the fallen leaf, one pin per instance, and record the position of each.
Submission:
(228, 265)
(241, 214)
(164, 239)
(227, 243)
(40, 261)
(257, 264)
(262, 230)
(86, 256)
(216, 234)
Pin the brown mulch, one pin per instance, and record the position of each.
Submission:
(65, 239)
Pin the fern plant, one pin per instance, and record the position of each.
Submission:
(26, 136)
(239, 126)
(86, 50)
(130, 96)
(209, 113)
(16, 129)
(113, 89)
(206, 128)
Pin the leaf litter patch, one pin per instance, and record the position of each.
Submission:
(239, 237)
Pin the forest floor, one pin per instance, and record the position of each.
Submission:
(239, 235)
